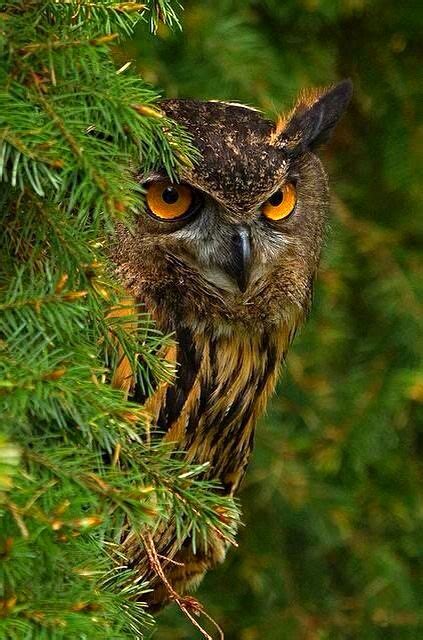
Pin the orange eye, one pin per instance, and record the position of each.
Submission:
(281, 203)
(168, 201)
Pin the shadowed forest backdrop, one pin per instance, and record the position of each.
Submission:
(331, 502)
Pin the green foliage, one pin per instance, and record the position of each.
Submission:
(75, 458)
(332, 543)
(331, 549)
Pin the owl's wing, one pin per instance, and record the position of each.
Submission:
(124, 376)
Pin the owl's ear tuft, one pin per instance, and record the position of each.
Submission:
(314, 117)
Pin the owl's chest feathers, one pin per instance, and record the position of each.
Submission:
(222, 385)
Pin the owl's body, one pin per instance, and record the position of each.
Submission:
(226, 261)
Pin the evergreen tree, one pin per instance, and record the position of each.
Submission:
(76, 462)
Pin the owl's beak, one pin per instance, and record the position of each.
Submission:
(239, 266)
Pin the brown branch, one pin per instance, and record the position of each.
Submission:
(187, 604)
(16, 514)
(7, 136)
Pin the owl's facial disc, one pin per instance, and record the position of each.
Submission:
(229, 250)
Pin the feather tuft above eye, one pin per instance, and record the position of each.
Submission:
(312, 120)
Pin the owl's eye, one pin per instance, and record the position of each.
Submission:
(281, 203)
(169, 201)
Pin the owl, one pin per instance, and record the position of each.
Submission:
(224, 258)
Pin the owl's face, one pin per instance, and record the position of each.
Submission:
(236, 242)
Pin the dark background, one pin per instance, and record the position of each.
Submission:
(331, 502)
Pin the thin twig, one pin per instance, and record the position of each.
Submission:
(116, 454)
(169, 560)
(185, 603)
(14, 510)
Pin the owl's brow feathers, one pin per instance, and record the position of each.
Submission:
(242, 166)
(248, 156)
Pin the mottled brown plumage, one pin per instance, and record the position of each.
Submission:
(231, 285)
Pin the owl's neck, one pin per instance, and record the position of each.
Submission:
(221, 388)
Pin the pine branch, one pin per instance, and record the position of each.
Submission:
(75, 459)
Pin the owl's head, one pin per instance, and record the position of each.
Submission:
(237, 239)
